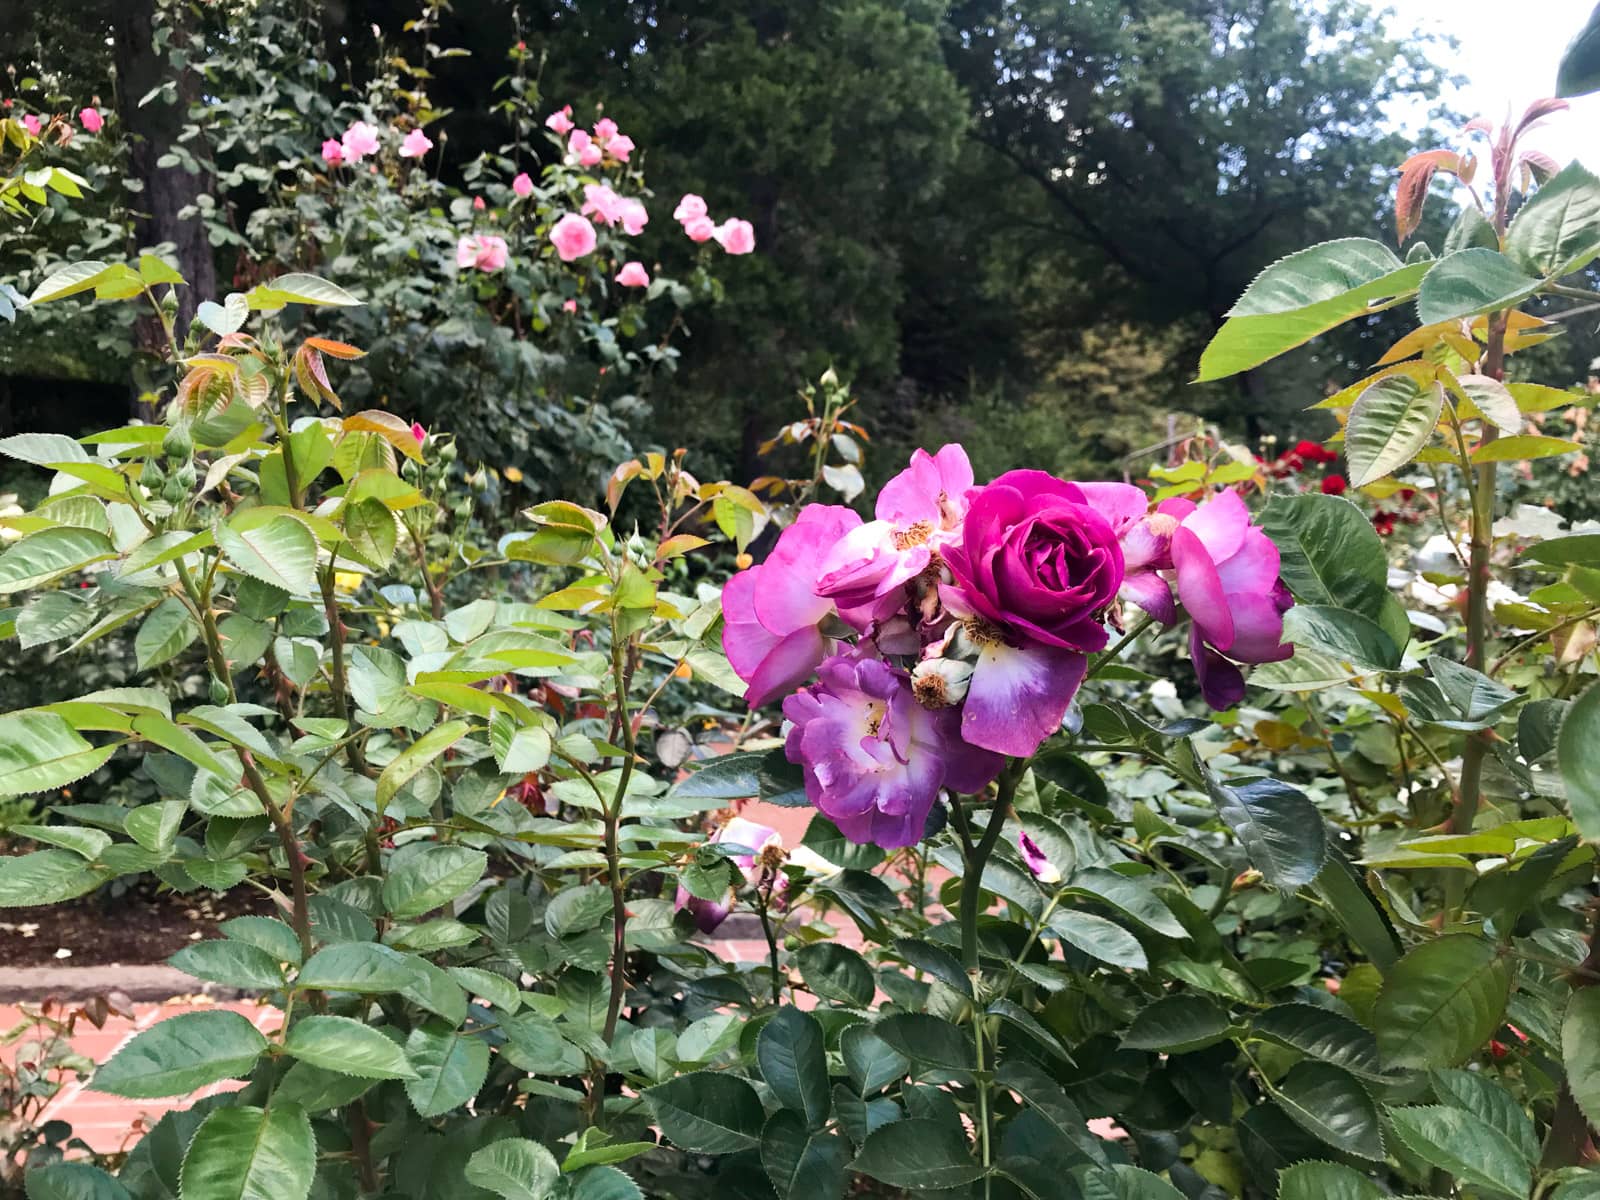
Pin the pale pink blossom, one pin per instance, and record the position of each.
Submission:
(416, 144)
(634, 217)
(332, 152)
(486, 252)
(602, 203)
(582, 147)
(30, 122)
(700, 229)
(573, 237)
(605, 129)
(570, 306)
(560, 121)
(522, 185)
(477, 204)
(633, 274)
(92, 120)
(359, 141)
(619, 147)
(736, 236)
(690, 207)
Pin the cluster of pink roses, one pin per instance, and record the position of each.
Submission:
(590, 150)
(90, 118)
(361, 141)
(973, 612)
(733, 235)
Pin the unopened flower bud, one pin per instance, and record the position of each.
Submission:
(941, 682)
(830, 378)
(177, 445)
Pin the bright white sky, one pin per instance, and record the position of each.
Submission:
(1508, 53)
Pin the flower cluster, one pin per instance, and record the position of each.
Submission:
(733, 235)
(586, 149)
(954, 629)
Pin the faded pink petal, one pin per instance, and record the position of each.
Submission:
(359, 141)
(633, 275)
(690, 207)
(332, 152)
(560, 121)
(700, 229)
(416, 144)
(573, 237)
(736, 236)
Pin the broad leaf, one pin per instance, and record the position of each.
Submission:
(790, 1051)
(1101, 939)
(416, 756)
(1470, 1149)
(40, 751)
(1469, 282)
(72, 1181)
(431, 878)
(918, 1153)
(1304, 295)
(1321, 1033)
(1575, 754)
(1442, 1001)
(231, 963)
(836, 973)
(45, 877)
(181, 1055)
(870, 1061)
(1557, 232)
(707, 1112)
(50, 553)
(451, 1065)
(1389, 425)
(1280, 829)
(1580, 1050)
(281, 552)
(348, 1047)
(248, 1153)
(515, 1169)
(924, 1038)
(363, 967)
(803, 1165)
(1326, 1181)
(1580, 64)
(1331, 1105)
(1177, 1025)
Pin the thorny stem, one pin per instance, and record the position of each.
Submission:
(764, 909)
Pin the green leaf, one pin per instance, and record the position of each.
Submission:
(297, 288)
(601, 1183)
(707, 1112)
(1329, 554)
(69, 281)
(1340, 886)
(924, 1038)
(496, 989)
(1580, 63)
(181, 1055)
(370, 527)
(1331, 1105)
(232, 963)
(1442, 1001)
(1468, 282)
(1177, 1025)
(1557, 232)
(1389, 425)
(1134, 898)
(823, 836)
(431, 878)
(1485, 1099)
(52, 616)
(317, 1090)
(1325, 1181)
(1122, 1182)
(515, 1169)
(88, 844)
(1046, 1098)
(248, 1153)
(1323, 1034)
(45, 877)
(43, 449)
(935, 961)
(595, 1147)
(72, 1181)
(517, 751)
(790, 1051)
(1580, 1050)
(1021, 1019)
(1306, 294)
(919, 1153)
(836, 973)
(451, 1066)
(1280, 829)
(50, 553)
(281, 552)
(730, 777)
(349, 1047)
(416, 756)
(803, 1165)
(266, 933)
(1344, 636)
(363, 967)
(1458, 1142)
(1528, 446)
(1101, 939)
(871, 1062)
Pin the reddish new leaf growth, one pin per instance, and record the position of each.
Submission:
(1415, 175)
(1538, 111)
(335, 349)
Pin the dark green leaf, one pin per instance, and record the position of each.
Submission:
(181, 1055)
(1468, 282)
(1485, 1099)
(1580, 1050)
(918, 1153)
(1176, 1025)
(1280, 829)
(72, 1181)
(1100, 938)
(927, 1039)
(430, 878)
(1326, 1181)
(250, 1153)
(1454, 1140)
(1575, 754)
(803, 1165)
(358, 967)
(794, 1063)
(1331, 1105)
(451, 1066)
(869, 1060)
(836, 973)
(708, 1112)
(233, 963)
(1321, 1033)
(1557, 232)
(1442, 1001)
(349, 1047)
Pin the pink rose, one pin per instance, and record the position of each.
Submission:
(634, 217)
(605, 129)
(736, 237)
(690, 207)
(602, 203)
(418, 432)
(583, 148)
(92, 120)
(522, 185)
(633, 274)
(570, 306)
(332, 152)
(619, 147)
(560, 121)
(360, 140)
(486, 252)
(30, 122)
(700, 229)
(573, 237)
(416, 144)
(477, 204)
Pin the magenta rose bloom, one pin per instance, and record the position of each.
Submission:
(1228, 581)
(772, 614)
(874, 759)
(1038, 565)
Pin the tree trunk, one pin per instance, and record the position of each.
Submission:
(153, 130)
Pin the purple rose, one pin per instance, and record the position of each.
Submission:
(874, 759)
(708, 914)
(772, 614)
(1227, 572)
(1038, 566)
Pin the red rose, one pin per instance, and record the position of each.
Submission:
(1333, 485)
